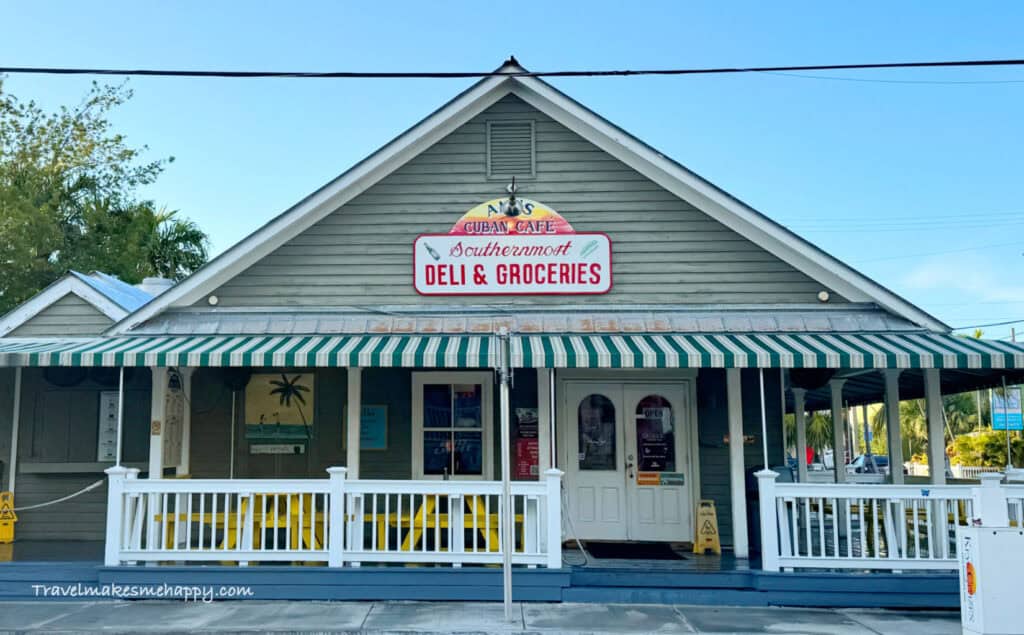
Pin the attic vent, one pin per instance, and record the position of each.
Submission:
(510, 149)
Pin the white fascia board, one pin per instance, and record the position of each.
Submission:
(718, 204)
(51, 294)
(323, 202)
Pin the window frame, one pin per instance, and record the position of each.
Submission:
(486, 381)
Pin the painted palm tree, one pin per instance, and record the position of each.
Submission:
(290, 392)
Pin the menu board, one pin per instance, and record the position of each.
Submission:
(527, 452)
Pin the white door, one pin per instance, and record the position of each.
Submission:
(657, 462)
(595, 466)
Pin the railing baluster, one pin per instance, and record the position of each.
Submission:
(849, 526)
(931, 532)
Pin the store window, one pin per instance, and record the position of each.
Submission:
(453, 426)
(596, 429)
(656, 434)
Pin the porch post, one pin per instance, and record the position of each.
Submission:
(353, 424)
(336, 517)
(737, 474)
(769, 519)
(801, 433)
(838, 430)
(936, 427)
(116, 476)
(158, 411)
(12, 467)
(892, 425)
(544, 439)
(185, 462)
(553, 477)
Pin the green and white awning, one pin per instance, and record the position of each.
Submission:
(765, 350)
(411, 351)
(689, 350)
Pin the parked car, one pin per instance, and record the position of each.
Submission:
(860, 464)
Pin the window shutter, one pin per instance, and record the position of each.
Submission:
(510, 149)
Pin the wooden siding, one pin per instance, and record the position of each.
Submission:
(59, 426)
(68, 316)
(664, 250)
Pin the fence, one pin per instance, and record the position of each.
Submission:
(972, 471)
(874, 526)
(329, 520)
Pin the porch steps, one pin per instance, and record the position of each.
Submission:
(757, 588)
(17, 579)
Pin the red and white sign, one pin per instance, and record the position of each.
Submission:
(491, 253)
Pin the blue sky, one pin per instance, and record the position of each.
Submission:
(916, 183)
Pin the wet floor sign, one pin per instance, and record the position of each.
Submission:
(7, 517)
(707, 529)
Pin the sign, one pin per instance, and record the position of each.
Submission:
(663, 479)
(7, 517)
(707, 529)
(512, 248)
(527, 459)
(279, 408)
(373, 427)
(1006, 411)
(277, 448)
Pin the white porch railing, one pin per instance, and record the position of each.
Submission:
(873, 526)
(328, 520)
(972, 471)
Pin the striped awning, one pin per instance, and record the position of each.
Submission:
(765, 350)
(411, 351)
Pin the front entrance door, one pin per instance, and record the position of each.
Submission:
(627, 461)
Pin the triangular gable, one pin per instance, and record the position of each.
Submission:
(668, 174)
(99, 295)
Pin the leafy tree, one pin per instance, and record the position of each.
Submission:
(67, 199)
(986, 448)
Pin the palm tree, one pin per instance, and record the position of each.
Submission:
(288, 390)
(176, 246)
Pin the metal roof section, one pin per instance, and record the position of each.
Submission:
(590, 320)
(126, 296)
(671, 175)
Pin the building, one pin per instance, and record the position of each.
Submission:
(655, 329)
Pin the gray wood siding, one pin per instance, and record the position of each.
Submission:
(664, 250)
(713, 426)
(68, 316)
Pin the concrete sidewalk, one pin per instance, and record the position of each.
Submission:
(449, 617)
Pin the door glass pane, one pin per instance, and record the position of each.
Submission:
(437, 451)
(469, 453)
(437, 406)
(468, 413)
(656, 434)
(596, 421)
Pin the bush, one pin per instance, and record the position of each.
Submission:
(986, 449)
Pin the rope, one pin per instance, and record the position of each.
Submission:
(61, 500)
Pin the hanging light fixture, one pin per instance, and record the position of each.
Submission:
(510, 207)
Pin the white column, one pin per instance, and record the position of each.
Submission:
(838, 430)
(12, 467)
(158, 412)
(894, 435)
(116, 476)
(544, 414)
(354, 405)
(936, 427)
(553, 478)
(769, 519)
(336, 517)
(990, 501)
(185, 463)
(801, 433)
(737, 476)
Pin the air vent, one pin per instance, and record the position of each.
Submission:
(510, 149)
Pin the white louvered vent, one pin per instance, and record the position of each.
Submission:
(510, 149)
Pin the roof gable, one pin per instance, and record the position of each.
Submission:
(668, 174)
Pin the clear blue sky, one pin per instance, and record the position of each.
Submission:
(881, 174)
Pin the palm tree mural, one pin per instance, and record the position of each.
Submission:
(279, 407)
(289, 391)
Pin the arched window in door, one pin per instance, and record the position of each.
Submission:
(655, 434)
(596, 429)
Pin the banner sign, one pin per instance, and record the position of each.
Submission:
(532, 251)
(1006, 411)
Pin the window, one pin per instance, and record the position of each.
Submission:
(656, 434)
(595, 420)
(451, 428)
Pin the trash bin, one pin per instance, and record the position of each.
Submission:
(786, 475)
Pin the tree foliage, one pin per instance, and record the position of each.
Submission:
(68, 186)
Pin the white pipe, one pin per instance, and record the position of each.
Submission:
(15, 421)
(120, 416)
(507, 518)
(551, 416)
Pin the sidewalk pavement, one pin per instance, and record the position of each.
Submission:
(456, 617)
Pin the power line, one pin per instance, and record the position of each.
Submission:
(978, 326)
(499, 73)
(939, 253)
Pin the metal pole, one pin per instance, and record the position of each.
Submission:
(764, 422)
(507, 518)
(15, 421)
(120, 416)
(1006, 427)
(231, 453)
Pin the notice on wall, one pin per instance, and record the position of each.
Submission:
(512, 248)
(527, 447)
(1006, 409)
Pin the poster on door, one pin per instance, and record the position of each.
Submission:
(527, 448)
(655, 435)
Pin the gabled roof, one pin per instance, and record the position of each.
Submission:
(667, 173)
(109, 295)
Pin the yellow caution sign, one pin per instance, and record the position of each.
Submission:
(707, 529)
(7, 517)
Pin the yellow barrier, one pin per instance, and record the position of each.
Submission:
(707, 529)
(7, 517)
